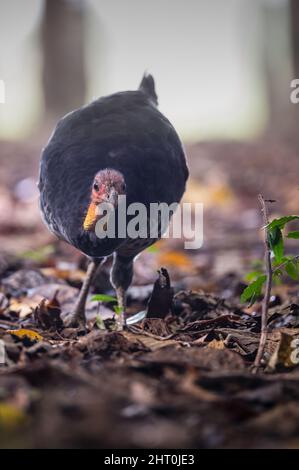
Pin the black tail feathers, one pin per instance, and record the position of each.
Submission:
(147, 85)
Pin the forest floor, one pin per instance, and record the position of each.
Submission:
(181, 378)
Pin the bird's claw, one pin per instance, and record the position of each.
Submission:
(73, 320)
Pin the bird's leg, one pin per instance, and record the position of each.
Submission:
(121, 300)
(78, 315)
(121, 278)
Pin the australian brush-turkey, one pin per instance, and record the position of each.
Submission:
(117, 145)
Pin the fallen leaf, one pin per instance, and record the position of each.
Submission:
(10, 416)
(216, 344)
(24, 333)
(48, 314)
(23, 307)
(286, 354)
(149, 341)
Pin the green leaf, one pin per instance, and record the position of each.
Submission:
(277, 274)
(254, 290)
(293, 235)
(291, 269)
(104, 298)
(276, 243)
(284, 259)
(253, 275)
(118, 310)
(281, 222)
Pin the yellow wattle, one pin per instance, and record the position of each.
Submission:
(91, 216)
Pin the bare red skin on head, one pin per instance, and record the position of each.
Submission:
(98, 196)
(104, 182)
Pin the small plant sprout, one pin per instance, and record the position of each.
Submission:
(117, 309)
(103, 298)
(275, 265)
(100, 323)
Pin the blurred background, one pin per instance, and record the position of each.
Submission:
(223, 72)
(218, 65)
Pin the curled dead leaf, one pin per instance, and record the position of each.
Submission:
(48, 314)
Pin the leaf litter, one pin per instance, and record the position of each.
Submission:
(179, 378)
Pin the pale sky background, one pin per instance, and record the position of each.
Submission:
(205, 56)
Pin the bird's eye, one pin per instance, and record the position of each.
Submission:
(96, 186)
(123, 187)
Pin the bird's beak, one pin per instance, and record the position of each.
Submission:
(91, 217)
(92, 214)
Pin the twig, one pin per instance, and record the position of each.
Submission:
(266, 299)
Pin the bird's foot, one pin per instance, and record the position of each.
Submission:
(75, 319)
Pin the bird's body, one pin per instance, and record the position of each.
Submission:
(121, 134)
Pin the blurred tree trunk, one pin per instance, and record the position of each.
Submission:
(294, 25)
(278, 66)
(294, 10)
(64, 79)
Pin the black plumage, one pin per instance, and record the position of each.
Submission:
(124, 132)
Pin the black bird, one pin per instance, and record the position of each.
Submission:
(117, 145)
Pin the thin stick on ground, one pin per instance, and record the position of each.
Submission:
(269, 273)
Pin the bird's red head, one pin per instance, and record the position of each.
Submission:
(106, 187)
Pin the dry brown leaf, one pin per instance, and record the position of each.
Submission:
(286, 354)
(48, 314)
(216, 344)
(148, 341)
(24, 306)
